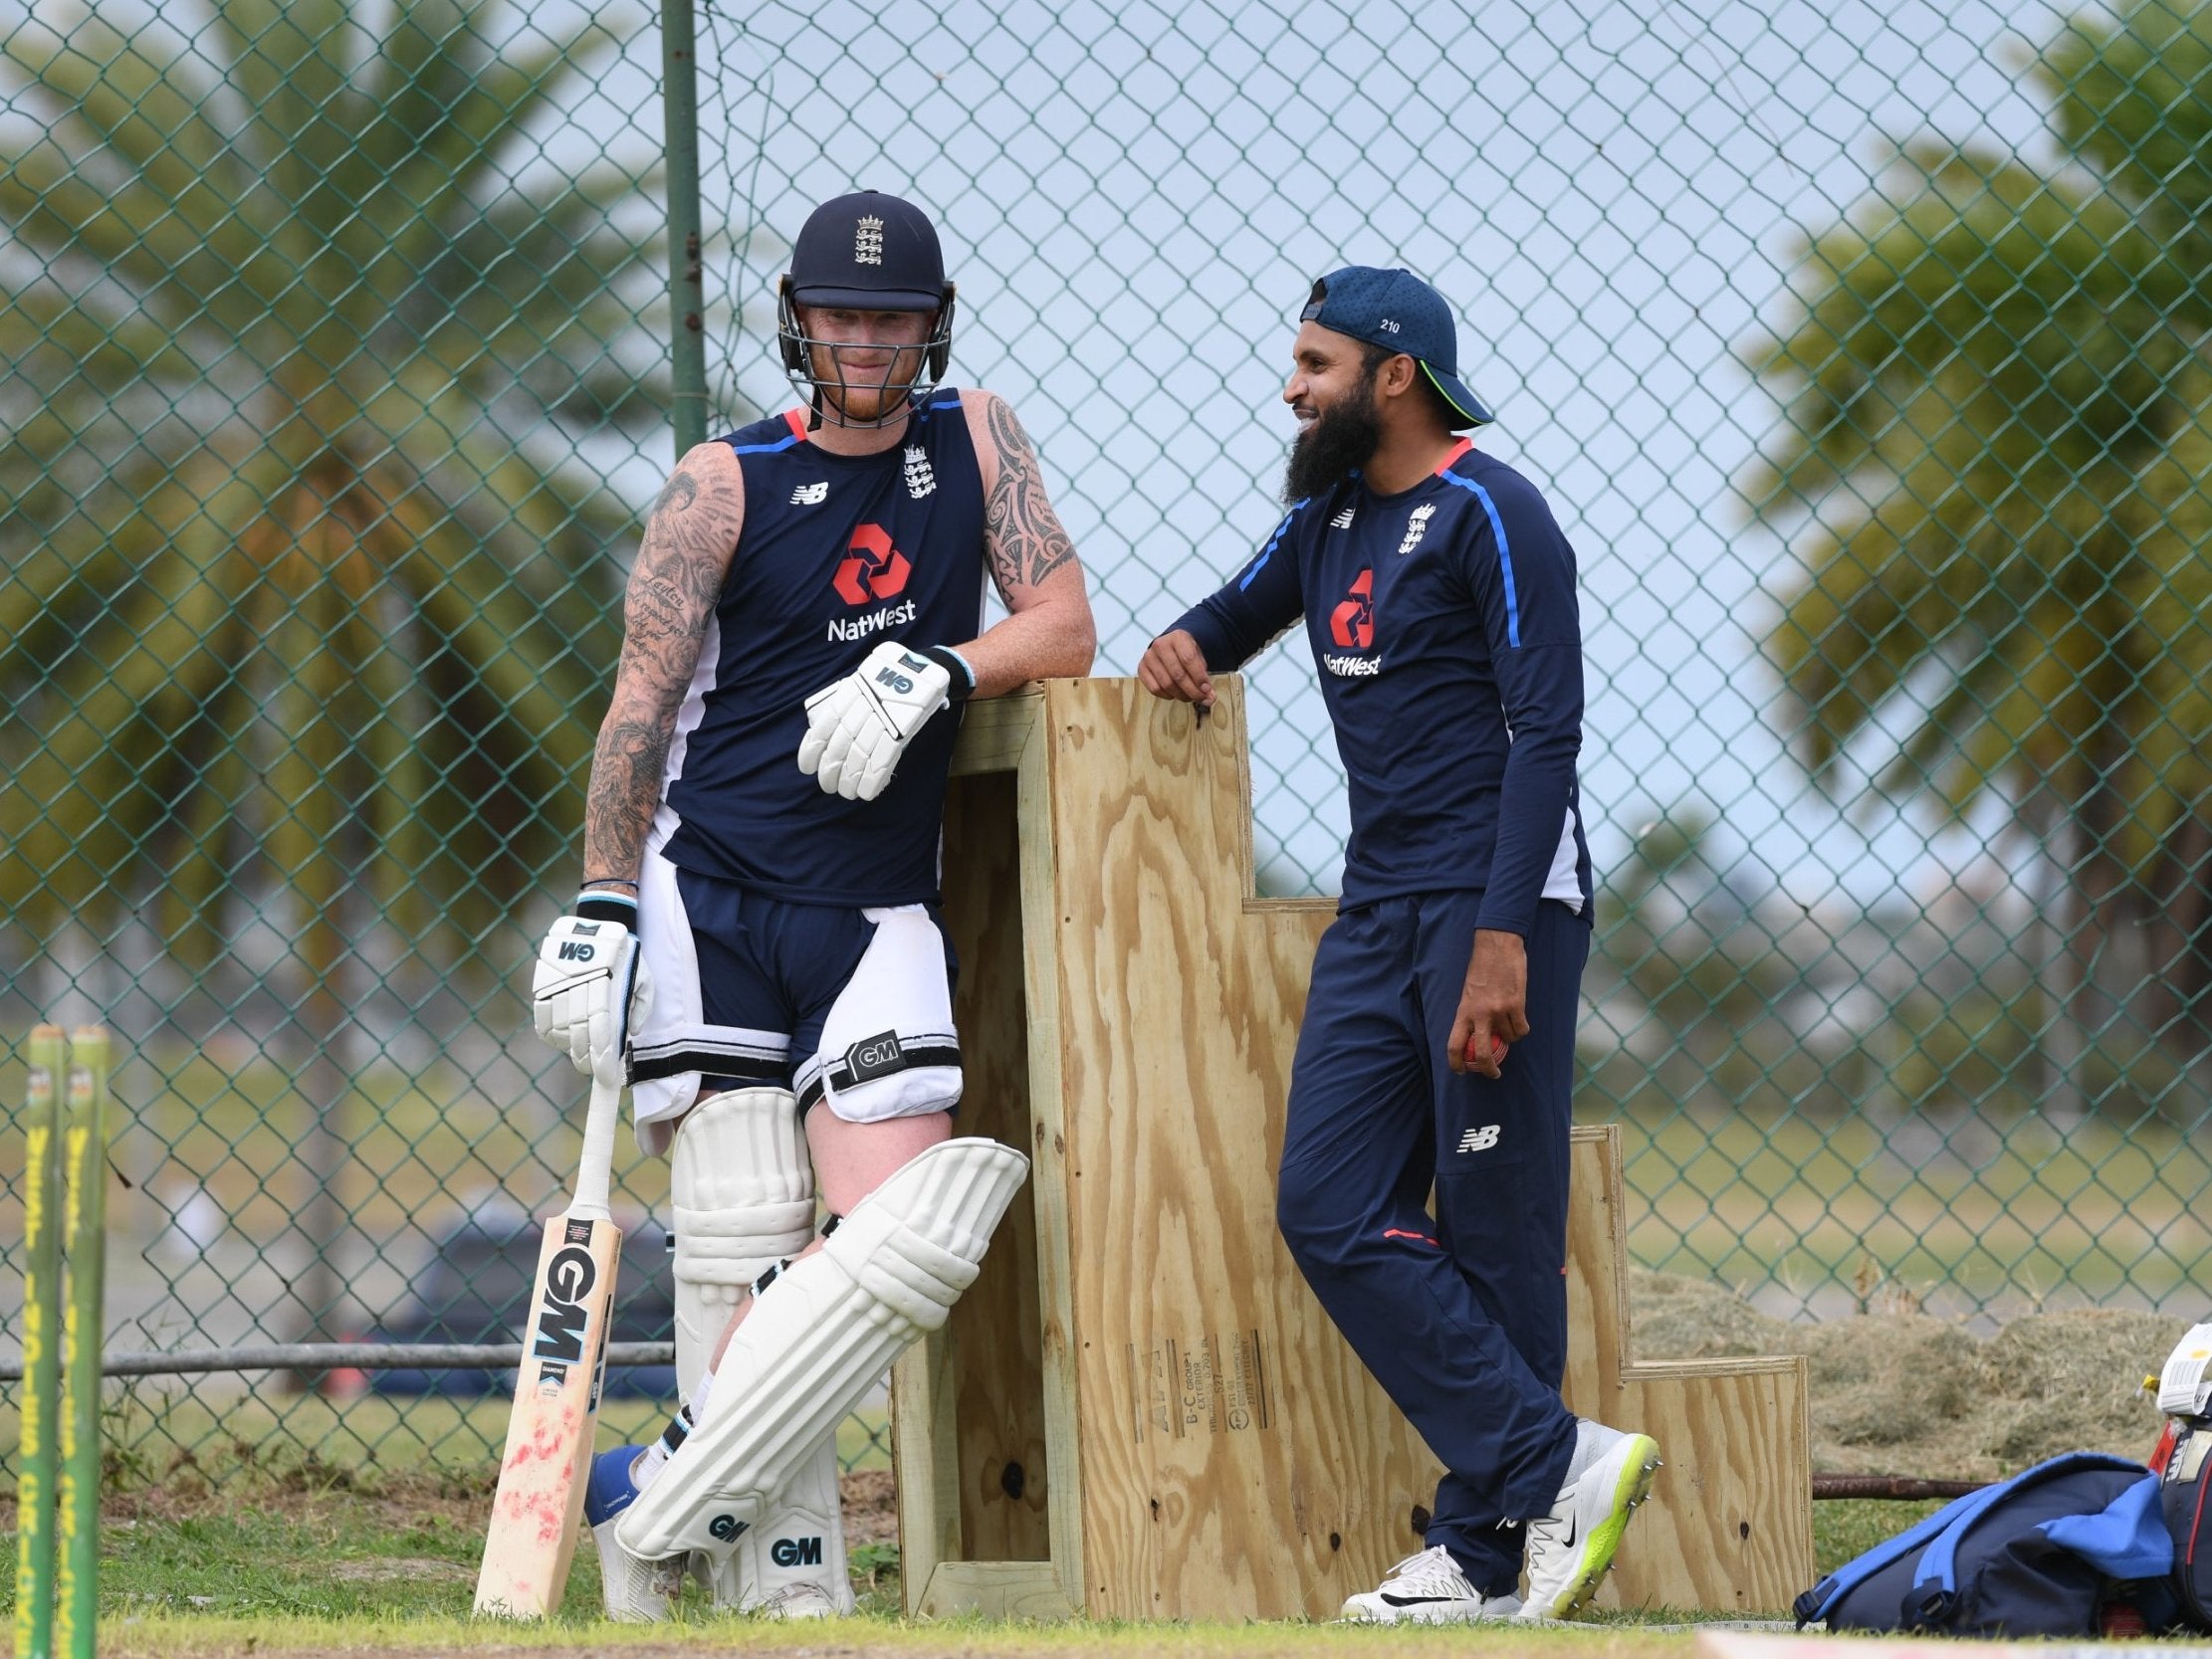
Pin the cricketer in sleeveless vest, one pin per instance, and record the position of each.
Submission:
(839, 553)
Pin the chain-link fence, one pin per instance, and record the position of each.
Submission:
(1860, 350)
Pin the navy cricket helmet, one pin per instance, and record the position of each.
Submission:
(865, 252)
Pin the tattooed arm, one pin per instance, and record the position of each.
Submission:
(681, 564)
(1049, 632)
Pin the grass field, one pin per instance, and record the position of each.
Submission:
(294, 1568)
(863, 1638)
(2015, 1209)
(1974, 1217)
(155, 1426)
(293, 1559)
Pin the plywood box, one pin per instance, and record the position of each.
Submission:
(1139, 1411)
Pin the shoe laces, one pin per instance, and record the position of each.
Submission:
(1431, 1572)
(795, 1601)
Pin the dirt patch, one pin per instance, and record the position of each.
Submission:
(871, 1506)
(1898, 1392)
(870, 1500)
(389, 1569)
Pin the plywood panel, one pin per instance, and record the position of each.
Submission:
(1239, 1467)
(983, 1412)
(1002, 1471)
(1729, 1522)
(1049, 1179)
(1216, 1450)
(1729, 1525)
(996, 1589)
(925, 1453)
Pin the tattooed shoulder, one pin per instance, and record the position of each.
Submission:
(689, 537)
(1022, 534)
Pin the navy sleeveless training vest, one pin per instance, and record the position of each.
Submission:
(838, 554)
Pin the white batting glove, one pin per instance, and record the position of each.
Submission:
(857, 728)
(590, 989)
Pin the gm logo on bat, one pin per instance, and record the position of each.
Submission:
(569, 1277)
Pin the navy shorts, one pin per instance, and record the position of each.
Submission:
(849, 1008)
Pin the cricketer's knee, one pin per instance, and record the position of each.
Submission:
(743, 1193)
(816, 1340)
(1309, 1213)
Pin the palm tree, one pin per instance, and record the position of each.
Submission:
(1995, 454)
(307, 609)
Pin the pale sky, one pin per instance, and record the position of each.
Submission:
(1136, 197)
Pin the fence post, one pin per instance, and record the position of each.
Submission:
(687, 303)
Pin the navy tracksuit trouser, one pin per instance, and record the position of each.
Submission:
(1462, 1318)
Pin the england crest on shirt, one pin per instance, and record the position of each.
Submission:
(1417, 527)
(920, 479)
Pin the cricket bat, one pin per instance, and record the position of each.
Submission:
(543, 1473)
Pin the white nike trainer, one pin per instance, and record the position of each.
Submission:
(1428, 1589)
(1570, 1549)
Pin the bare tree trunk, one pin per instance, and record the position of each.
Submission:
(324, 810)
(325, 1089)
(2180, 937)
(2060, 914)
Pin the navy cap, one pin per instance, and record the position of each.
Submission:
(1396, 309)
(871, 252)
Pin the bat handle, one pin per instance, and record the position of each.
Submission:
(596, 1167)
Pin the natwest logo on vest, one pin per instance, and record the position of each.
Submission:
(872, 570)
(1352, 623)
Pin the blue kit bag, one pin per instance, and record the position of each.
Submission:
(2183, 1486)
(2038, 1554)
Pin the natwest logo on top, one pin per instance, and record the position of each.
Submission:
(872, 569)
(1352, 623)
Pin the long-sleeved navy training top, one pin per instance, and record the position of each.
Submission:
(1446, 630)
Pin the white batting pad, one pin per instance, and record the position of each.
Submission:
(743, 1192)
(791, 1563)
(816, 1340)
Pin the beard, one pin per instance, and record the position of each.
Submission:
(1342, 439)
(865, 397)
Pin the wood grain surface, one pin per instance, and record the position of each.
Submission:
(1205, 1445)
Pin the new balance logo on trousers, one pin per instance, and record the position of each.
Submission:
(1480, 1139)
